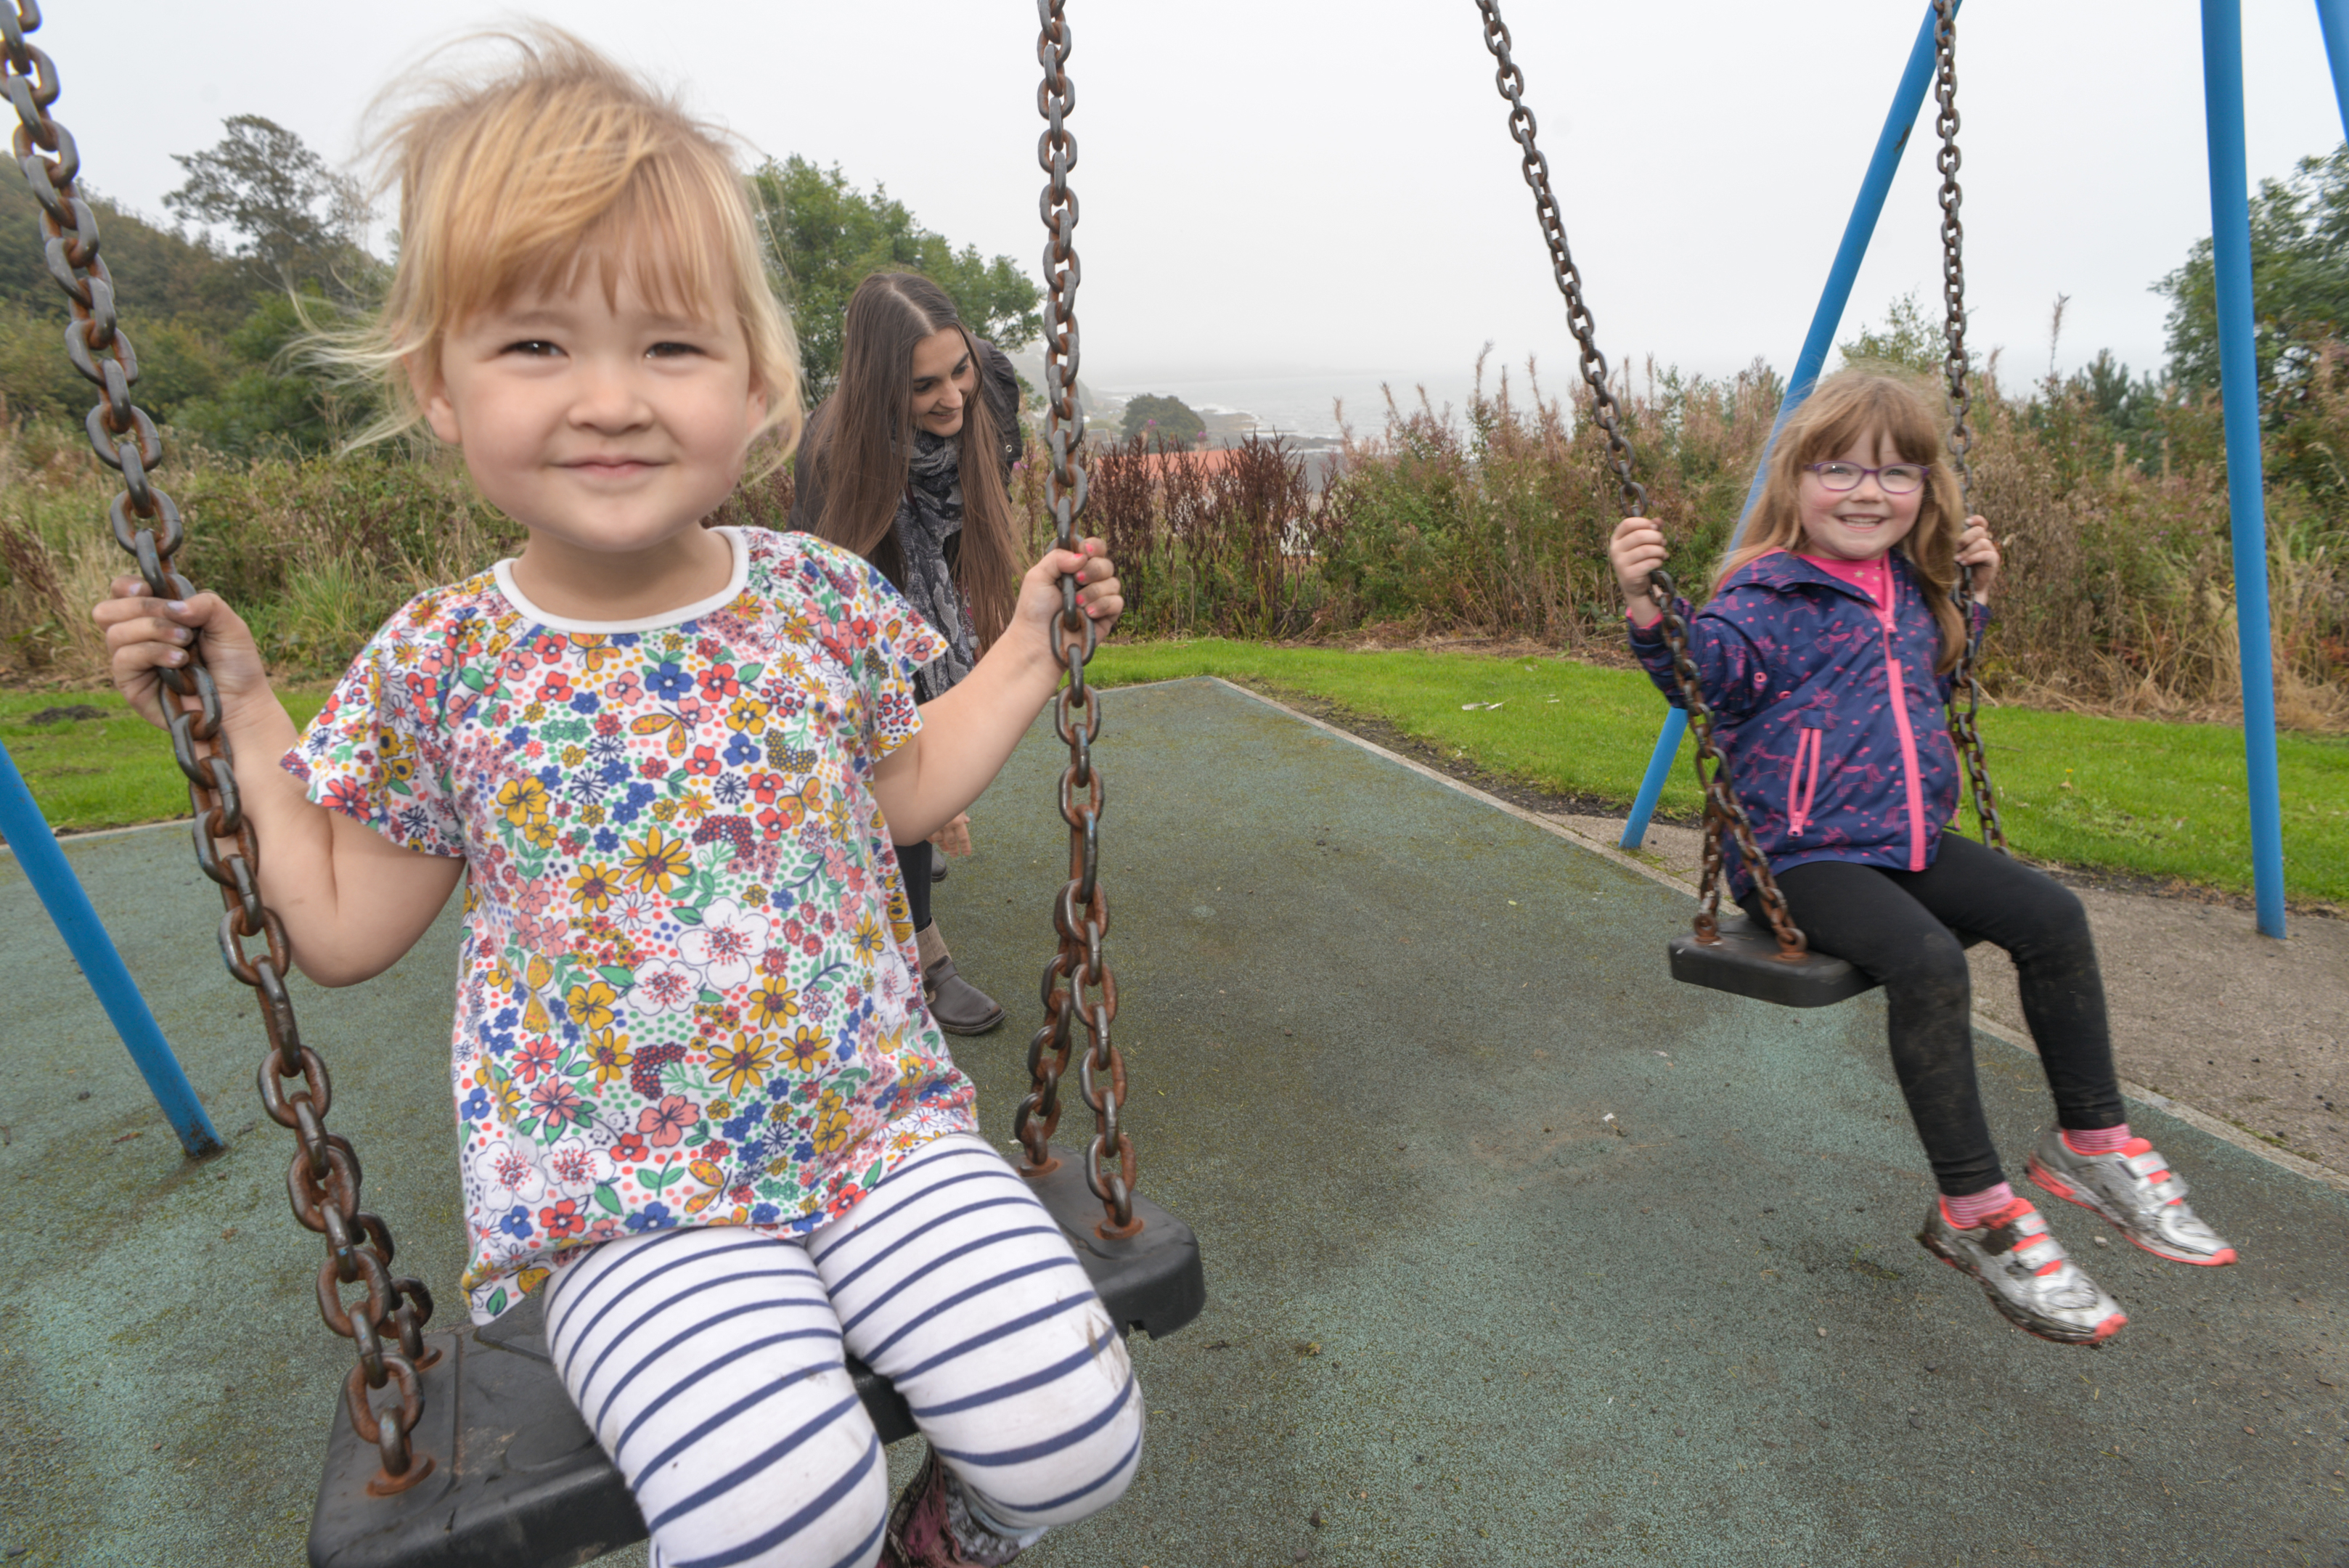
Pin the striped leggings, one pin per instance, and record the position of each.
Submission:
(709, 1362)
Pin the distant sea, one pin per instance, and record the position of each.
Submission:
(1302, 405)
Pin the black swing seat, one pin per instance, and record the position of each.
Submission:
(1746, 961)
(518, 1481)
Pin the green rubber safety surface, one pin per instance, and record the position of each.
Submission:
(1377, 1029)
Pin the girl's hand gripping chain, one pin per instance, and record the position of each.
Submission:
(1637, 549)
(1977, 549)
(352, 899)
(967, 734)
(144, 635)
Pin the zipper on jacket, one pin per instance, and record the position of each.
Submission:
(1907, 755)
(1803, 794)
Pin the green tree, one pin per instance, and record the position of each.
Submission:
(824, 238)
(1907, 340)
(1162, 420)
(300, 219)
(2299, 284)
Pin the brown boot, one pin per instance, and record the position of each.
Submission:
(961, 1007)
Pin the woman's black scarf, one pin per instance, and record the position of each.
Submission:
(928, 515)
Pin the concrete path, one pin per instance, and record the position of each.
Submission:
(1457, 1315)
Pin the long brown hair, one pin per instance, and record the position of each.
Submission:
(863, 447)
(1853, 408)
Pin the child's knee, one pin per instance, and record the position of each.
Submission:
(1074, 1461)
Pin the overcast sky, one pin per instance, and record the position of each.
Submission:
(1327, 187)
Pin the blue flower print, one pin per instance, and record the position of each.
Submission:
(516, 1224)
(652, 1217)
(742, 749)
(551, 777)
(586, 702)
(612, 772)
(671, 682)
(477, 1104)
(606, 840)
(518, 737)
(765, 1214)
(507, 1018)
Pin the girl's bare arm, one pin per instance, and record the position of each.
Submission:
(352, 900)
(968, 733)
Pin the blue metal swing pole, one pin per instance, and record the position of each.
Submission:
(2333, 16)
(61, 893)
(2230, 253)
(1907, 99)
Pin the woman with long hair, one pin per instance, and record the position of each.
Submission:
(908, 463)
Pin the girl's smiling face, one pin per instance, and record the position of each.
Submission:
(1860, 524)
(603, 425)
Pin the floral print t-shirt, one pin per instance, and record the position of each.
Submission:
(688, 993)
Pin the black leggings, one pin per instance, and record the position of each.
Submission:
(914, 863)
(1896, 927)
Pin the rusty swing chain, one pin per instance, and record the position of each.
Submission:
(1077, 988)
(323, 1180)
(1722, 812)
(1963, 718)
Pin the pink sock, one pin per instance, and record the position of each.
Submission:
(1970, 1210)
(2102, 1140)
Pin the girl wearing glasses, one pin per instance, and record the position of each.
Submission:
(1827, 652)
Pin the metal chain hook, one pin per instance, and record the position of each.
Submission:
(1724, 816)
(323, 1180)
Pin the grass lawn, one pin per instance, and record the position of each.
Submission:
(2116, 795)
(103, 773)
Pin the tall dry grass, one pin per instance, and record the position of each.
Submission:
(2118, 594)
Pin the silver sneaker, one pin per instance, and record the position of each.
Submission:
(2135, 1189)
(2025, 1272)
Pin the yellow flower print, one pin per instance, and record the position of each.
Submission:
(866, 941)
(830, 1123)
(742, 1066)
(698, 806)
(574, 755)
(772, 1003)
(591, 1005)
(665, 810)
(901, 914)
(807, 1047)
(533, 713)
(539, 831)
(656, 861)
(523, 800)
(595, 887)
(607, 1052)
(592, 815)
(747, 715)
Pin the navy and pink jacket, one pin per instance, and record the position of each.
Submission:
(1828, 710)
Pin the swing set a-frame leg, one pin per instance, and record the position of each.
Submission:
(27, 832)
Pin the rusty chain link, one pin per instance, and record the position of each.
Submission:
(1723, 814)
(323, 1180)
(1963, 714)
(1077, 988)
